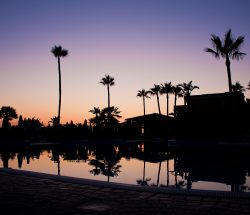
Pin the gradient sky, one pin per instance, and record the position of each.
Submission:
(138, 42)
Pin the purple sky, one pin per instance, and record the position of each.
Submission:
(138, 42)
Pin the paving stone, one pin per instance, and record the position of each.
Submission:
(24, 194)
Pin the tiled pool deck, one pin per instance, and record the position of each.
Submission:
(23, 192)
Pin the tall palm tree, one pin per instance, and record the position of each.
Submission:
(108, 81)
(167, 89)
(187, 88)
(144, 94)
(155, 92)
(59, 52)
(237, 87)
(228, 49)
(177, 90)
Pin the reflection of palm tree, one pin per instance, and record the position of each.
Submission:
(106, 162)
(167, 89)
(56, 158)
(144, 94)
(237, 87)
(108, 81)
(158, 176)
(143, 181)
(167, 172)
(228, 49)
(187, 88)
(177, 90)
(155, 92)
(58, 53)
(98, 167)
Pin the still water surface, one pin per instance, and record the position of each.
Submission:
(147, 164)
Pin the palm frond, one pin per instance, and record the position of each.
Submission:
(228, 41)
(214, 53)
(238, 43)
(216, 43)
(238, 55)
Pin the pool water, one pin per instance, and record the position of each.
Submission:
(147, 164)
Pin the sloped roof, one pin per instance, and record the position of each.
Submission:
(149, 117)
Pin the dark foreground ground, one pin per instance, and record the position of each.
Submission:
(31, 193)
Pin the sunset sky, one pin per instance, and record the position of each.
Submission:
(138, 42)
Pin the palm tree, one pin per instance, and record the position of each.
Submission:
(7, 113)
(155, 92)
(167, 89)
(237, 87)
(228, 49)
(59, 52)
(96, 111)
(109, 81)
(177, 90)
(187, 88)
(248, 86)
(144, 94)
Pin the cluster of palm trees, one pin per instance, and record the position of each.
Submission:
(228, 48)
(179, 90)
(107, 116)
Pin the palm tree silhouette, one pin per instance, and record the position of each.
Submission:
(108, 81)
(248, 86)
(96, 111)
(155, 92)
(177, 90)
(228, 49)
(237, 87)
(144, 94)
(59, 52)
(7, 113)
(187, 88)
(167, 89)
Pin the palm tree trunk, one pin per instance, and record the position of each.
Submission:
(167, 172)
(158, 177)
(144, 111)
(58, 166)
(144, 169)
(108, 97)
(167, 104)
(229, 74)
(158, 101)
(175, 101)
(60, 91)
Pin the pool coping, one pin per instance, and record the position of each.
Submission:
(113, 185)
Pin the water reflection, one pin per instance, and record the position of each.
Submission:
(172, 167)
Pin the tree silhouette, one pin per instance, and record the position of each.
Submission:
(59, 52)
(228, 49)
(248, 86)
(237, 87)
(96, 111)
(7, 113)
(108, 81)
(144, 94)
(107, 120)
(155, 92)
(167, 89)
(187, 88)
(177, 90)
